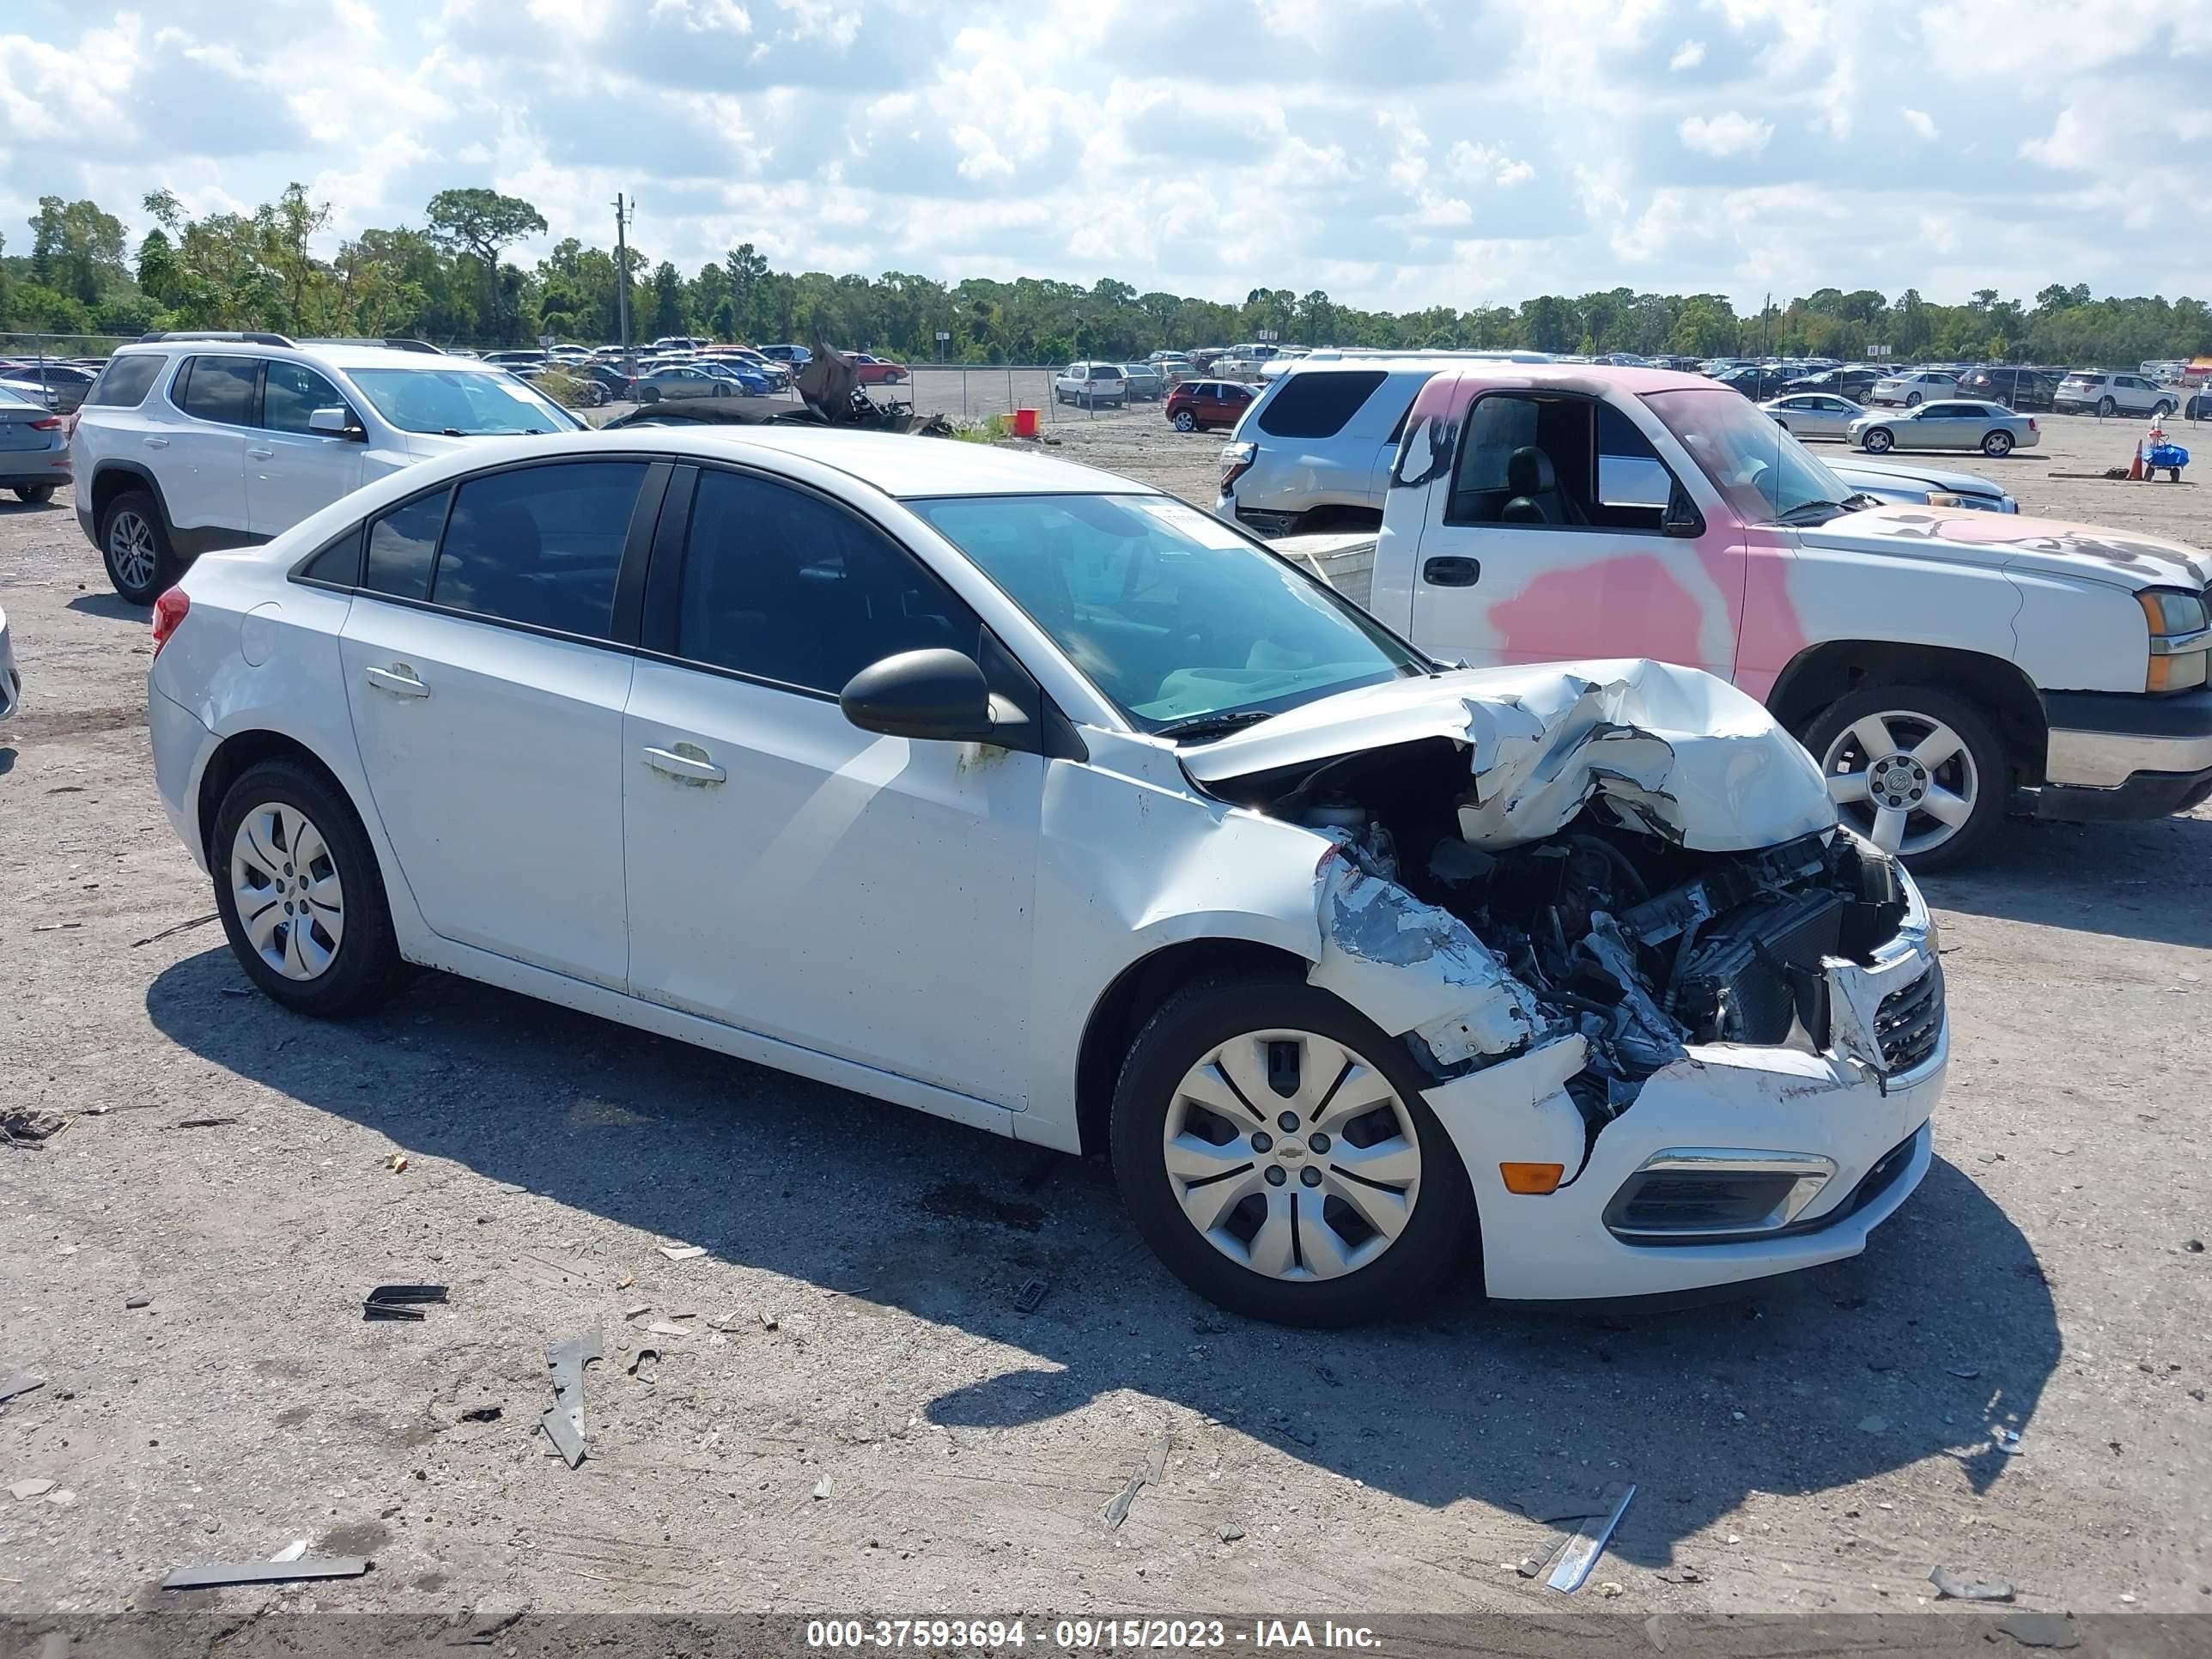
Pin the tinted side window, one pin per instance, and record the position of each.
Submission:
(402, 545)
(1496, 427)
(339, 563)
(125, 380)
(1318, 405)
(291, 393)
(781, 585)
(540, 545)
(221, 389)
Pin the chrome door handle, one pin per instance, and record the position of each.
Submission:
(157, 443)
(261, 454)
(686, 761)
(399, 679)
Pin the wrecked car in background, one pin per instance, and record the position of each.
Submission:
(1018, 794)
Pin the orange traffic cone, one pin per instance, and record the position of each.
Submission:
(2134, 467)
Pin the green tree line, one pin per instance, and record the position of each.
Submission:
(450, 280)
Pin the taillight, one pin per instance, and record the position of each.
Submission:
(2031, 423)
(1235, 461)
(168, 610)
(51, 423)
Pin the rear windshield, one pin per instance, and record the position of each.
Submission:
(1313, 405)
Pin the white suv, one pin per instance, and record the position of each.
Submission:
(193, 441)
(1088, 385)
(2086, 392)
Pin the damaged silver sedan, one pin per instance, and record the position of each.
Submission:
(1018, 794)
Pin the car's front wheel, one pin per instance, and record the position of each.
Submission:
(1877, 439)
(34, 494)
(1919, 772)
(1995, 444)
(2161, 408)
(297, 886)
(1185, 421)
(1273, 1148)
(134, 545)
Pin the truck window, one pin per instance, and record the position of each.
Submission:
(1524, 459)
(1316, 405)
(1632, 479)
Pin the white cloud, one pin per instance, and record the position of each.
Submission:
(1688, 55)
(1921, 122)
(1729, 133)
(1481, 163)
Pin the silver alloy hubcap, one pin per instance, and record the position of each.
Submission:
(130, 546)
(1904, 780)
(285, 884)
(1291, 1155)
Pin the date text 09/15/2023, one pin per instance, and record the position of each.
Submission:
(1085, 1635)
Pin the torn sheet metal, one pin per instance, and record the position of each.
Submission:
(1669, 750)
(564, 1424)
(1450, 990)
(267, 1572)
(1588, 1542)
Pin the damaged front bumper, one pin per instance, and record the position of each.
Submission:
(1735, 1162)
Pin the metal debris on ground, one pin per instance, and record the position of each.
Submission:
(1229, 1533)
(24, 1491)
(767, 1320)
(1030, 1297)
(564, 1424)
(27, 1126)
(55, 926)
(266, 1572)
(1147, 1474)
(2005, 1440)
(822, 1488)
(1588, 1542)
(668, 1327)
(642, 1308)
(1949, 1587)
(142, 1300)
(396, 1162)
(2040, 1630)
(291, 1552)
(203, 1123)
(683, 1252)
(1968, 1372)
(1681, 1574)
(1550, 1506)
(180, 927)
(400, 1301)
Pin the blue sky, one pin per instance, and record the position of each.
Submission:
(1395, 153)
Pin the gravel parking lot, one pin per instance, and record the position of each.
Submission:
(878, 1426)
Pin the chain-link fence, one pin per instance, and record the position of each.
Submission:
(976, 392)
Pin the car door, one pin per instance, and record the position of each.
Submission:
(1543, 544)
(864, 896)
(1834, 416)
(486, 670)
(292, 470)
(199, 455)
(1943, 425)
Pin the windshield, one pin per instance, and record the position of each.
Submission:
(1766, 475)
(458, 402)
(1174, 616)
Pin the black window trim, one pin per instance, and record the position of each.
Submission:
(1049, 732)
(261, 399)
(623, 621)
(179, 384)
(1451, 479)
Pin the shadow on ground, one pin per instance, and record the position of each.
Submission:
(1943, 1329)
(113, 607)
(2149, 881)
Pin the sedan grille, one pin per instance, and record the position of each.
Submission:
(1909, 1021)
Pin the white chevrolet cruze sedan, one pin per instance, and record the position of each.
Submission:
(1030, 797)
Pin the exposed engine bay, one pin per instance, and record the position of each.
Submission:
(1608, 927)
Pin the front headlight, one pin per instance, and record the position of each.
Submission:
(2180, 631)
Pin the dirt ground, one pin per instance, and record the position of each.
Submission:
(878, 1427)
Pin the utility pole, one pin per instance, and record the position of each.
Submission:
(622, 217)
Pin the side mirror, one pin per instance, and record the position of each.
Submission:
(1681, 517)
(937, 694)
(334, 423)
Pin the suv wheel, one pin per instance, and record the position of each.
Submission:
(1185, 421)
(1919, 772)
(301, 898)
(2161, 408)
(2106, 407)
(134, 545)
(1273, 1148)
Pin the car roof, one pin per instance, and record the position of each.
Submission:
(336, 357)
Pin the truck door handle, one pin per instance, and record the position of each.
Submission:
(261, 454)
(686, 761)
(1451, 573)
(399, 679)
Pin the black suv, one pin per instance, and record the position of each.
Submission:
(2016, 388)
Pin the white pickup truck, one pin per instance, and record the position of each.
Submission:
(1936, 662)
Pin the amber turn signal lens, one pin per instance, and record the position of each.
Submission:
(1534, 1179)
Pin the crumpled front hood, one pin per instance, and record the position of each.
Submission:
(1671, 750)
(2048, 546)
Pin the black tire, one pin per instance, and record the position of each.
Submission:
(648, 394)
(1912, 400)
(2106, 407)
(1992, 766)
(120, 523)
(2161, 408)
(365, 967)
(1438, 1236)
(1185, 421)
(34, 494)
(1997, 445)
(722, 388)
(1877, 441)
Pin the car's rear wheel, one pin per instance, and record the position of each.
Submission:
(2106, 407)
(1185, 421)
(1919, 772)
(34, 494)
(1997, 443)
(1273, 1148)
(134, 545)
(1877, 439)
(302, 899)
